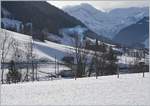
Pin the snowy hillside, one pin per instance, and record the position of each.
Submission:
(107, 24)
(52, 52)
(50, 49)
(130, 89)
(42, 50)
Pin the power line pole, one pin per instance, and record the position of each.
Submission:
(55, 64)
(32, 43)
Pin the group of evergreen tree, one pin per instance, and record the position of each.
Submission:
(103, 61)
(27, 28)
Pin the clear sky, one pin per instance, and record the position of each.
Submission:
(102, 5)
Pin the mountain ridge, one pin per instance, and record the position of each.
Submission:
(41, 15)
(107, 24)
(134, 34)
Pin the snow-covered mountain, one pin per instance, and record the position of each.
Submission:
(135, 35)
(40, 17)
(107, 24)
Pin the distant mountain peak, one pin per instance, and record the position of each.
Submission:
(86, 5)
(109, 23)
(83, 6)
(38, 18)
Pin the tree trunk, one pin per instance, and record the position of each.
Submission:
(2, 69)
(143, 72)
(32, 71)
(2, 80)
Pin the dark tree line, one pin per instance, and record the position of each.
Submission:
(101, 60)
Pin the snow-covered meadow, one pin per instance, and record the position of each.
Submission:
(129, 89)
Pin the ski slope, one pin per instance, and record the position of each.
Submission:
(129, 89)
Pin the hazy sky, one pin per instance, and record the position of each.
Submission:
(103, 5)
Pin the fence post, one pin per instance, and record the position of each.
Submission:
(117, 71)
(36, 71)
(143, 71)
(27, 71)
(96, 73)
(55, 64)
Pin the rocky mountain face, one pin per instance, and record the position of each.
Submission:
(135, 35)
(107, 24)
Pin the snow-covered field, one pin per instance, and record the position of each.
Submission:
(129, 89)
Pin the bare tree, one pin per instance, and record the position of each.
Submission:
(91, 66)
(29, 58)
(80, 55)
(104, 59)
(32, 60)
(16, 51)
(5, 45)
(30, 54)
(99, 58)
(18, 55)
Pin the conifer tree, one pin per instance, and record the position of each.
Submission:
(13, 75)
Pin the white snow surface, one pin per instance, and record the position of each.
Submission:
(129, 89)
